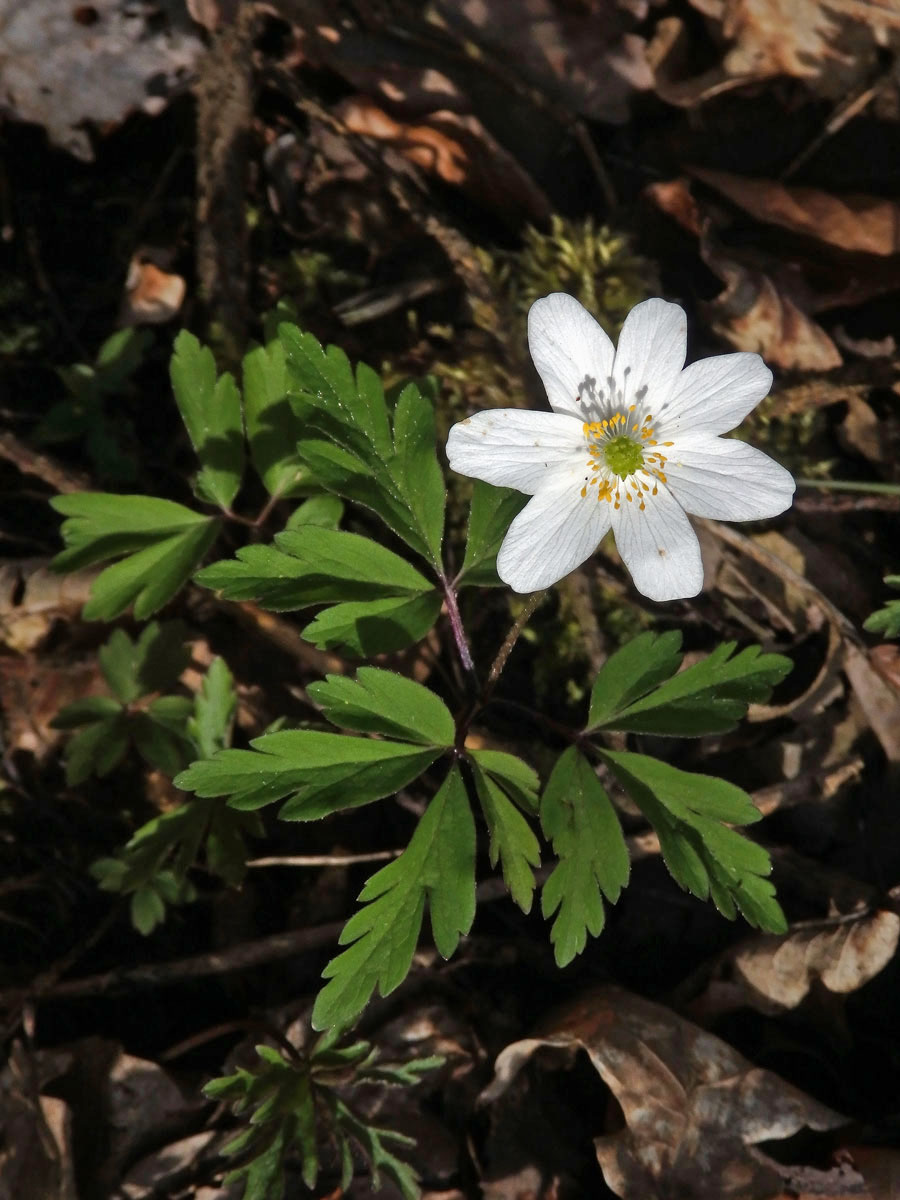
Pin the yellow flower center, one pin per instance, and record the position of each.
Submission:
(623, 459)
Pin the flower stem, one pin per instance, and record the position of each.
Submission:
(509, 641)
(459, 634)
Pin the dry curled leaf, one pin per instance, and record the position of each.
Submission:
(460, 151)
(843, 956)
(695, 1109)
(853, 222)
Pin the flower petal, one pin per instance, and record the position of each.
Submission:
(714, 395)
(573, 355)
(726, 479)
(553, 534)
(650, 354)
(513, 448)
(659, 547)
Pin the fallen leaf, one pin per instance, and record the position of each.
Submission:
(152, 295)
(852, 222)
(831, 46)
(752, 313)
(460, 151)
(584, 56)
(694, 1108)
(843, 956)
(32, 597)
(63, 72)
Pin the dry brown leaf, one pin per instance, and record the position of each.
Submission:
(755, 311)
(842, 956)
(586, 59)
(694, 1108)
(32, 693)
(831, 45)
(460, 151)
(152, 295)
(852, 222)
(32, 597)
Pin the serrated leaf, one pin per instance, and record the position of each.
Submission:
(320, 772)
(579, 820)
(167, 751)
(414, 467)
(214, 708)
(354, 407)
(151, 663)
(709, 697)
(703, 854)
(272, 427)
(385, 461)
(86, 712)
(633, 671)
(312, 565)
(369, 627)
(378, 701)
(512, 840)
(103, 525)
(210, 407)
(683, 792)
(886, 620)
(518, 780)
(151, 577)
(437, 865)
(491, 513)
(97, 749)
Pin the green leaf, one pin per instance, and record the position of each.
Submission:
(682, 792)
(379, 701)
(886, 620)
(579, 820)
(85, 712)
(356, 452)
(97, 749)
(214, 707)
(415, 470)
(147, 909)
(438, 865)
(373, 1143)
(518, 780)
(325, 510)
(704, 855)
(152, 663)
(490, 515)
(151, 577)
(512, 840)
(167, 751)
(369, 627)
(103, 525)
(709, 697)
(312, 565)
(320, 772)
(632, 671)
(272, 428)
(211, 410)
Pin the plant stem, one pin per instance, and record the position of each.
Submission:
(852, 485)
(459, 634)
(506, 649)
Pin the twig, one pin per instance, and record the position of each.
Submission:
(323, 860)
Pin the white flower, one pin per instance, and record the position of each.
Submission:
(632, 444)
